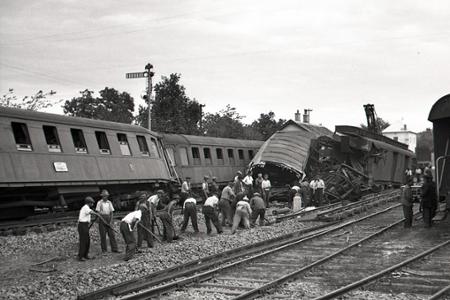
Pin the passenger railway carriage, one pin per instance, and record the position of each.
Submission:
(48, 160)
(197, 156)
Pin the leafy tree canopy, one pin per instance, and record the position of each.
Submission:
(382, 124)
(110, 106)
(226, 123)
(37, 101)
(266, 125)
(172, 110)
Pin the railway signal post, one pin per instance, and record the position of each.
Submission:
(148, 73)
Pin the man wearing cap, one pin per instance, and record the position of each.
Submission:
(205, 188)
(190, 212)
(105, 209)
(210, 212)
(226, 199)
(127, 228)
(243, 212)
(144, 235)
(84, 220)
(428, 204)
(258, 209)
(185, 190)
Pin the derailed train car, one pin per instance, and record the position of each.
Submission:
(350, 160)
(196, 156)
(50, 160)
(440, 116)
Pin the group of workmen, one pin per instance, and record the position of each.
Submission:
(241, 202)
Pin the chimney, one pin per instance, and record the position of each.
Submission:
(306, 115)
(297, 116)
(404, 127)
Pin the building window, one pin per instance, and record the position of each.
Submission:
(22, 137)
(143, 147)
(241, 154)
(154, 148)
(196, 155)
(230, 156)
(184, 157)
(78, 141)
(123, 143)
(250, 154)
(102, 141)
(52, 139)
(207, 154)
(219, 154)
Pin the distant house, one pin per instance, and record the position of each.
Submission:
(402, 135)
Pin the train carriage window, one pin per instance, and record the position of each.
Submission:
(52, 139)
(241, 154)
(22, 137)
(102, 141)
(184, 157)
(123, 143)
(231, 156)
(207, 154)
(250, 154)
(196, 155)
(219, 155)
(143, 147)
(154, 149)
(78, 141)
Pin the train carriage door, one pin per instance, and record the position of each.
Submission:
(183, 156)
(123, 143)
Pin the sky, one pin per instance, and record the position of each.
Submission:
(258, 56)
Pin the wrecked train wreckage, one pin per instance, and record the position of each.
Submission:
(351, 161)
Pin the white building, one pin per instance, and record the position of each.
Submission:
(403, 135)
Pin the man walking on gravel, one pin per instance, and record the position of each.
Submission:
(105, 209)
(190, 212)
(210, 212)
(225, 204)
(127, 228)
(84, 220)
(428, 204)
(406, 199)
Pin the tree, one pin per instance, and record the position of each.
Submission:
(172, 110)
(36, 102)
(382, 124)
(110, 106)
(266, 125)
(226, 123)
(424, 146)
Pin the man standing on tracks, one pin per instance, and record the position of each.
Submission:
(105, 224)
(84, 220)
(406, 199)
(185, 190)
(243, 212)
(317, 185)
(127, 228)
(266, 186)
(210, 212)
(146, 221)
(258, 209)
(190, 212)
(225, 201)
(305, 193)
(428, 204)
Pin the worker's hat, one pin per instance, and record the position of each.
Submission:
(256, 194)
(214, 178)
(245, 198)
(206, 177)
(88, 200)
(104, 193)
(176, 196)
(160, 192)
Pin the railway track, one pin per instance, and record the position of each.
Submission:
(166, 280)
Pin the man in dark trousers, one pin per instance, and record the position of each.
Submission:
(210, 212)
(258, 209)
(318, 186)
(144, 235)
(105, 209)
(429, 200)
(406, 199)
(185, 190)
(84, 220)
(190, 211)
(127, 228)
(225, 201)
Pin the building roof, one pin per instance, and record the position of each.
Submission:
(440, 109)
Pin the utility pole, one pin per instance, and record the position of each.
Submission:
(148, 73)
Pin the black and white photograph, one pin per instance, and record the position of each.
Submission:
(224, 149)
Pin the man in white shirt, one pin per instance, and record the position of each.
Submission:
(266, 186)
(317, 185)
(210, 212)
(205, 187)
(84, 220)
(185, 190)
(127, 228)
(105, 209)
(243, 212)
(248, 184)
(190, 212)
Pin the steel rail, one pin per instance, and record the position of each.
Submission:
(440, 293)
(196, 265)
(145, 294)
(375, 276)
(262, 289)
